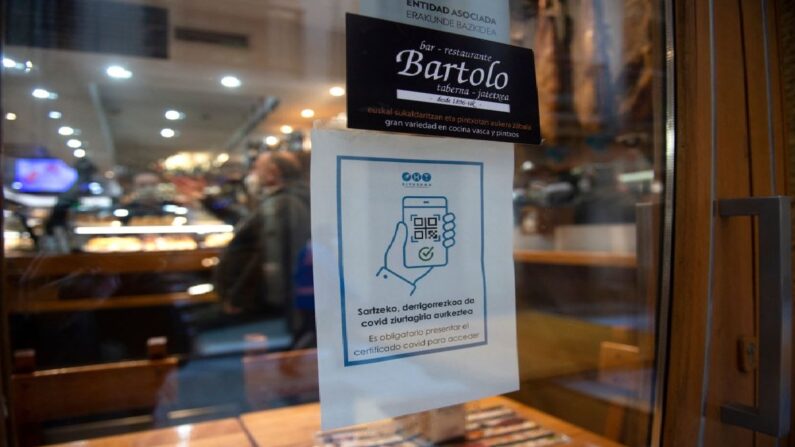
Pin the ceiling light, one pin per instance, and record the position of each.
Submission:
(230, 82)
(11, 64)
(200, 289)
(154, 229)
(79, 153)
(66, 131)
(121, 212)
(55, 115)
(11, 116)
(41, 93)
(287, 130)
(118, 72)
(168, 133)
(74, 143)
(270, 140)
(336, 91)
(307, 113)
(222, 158)
(174, 115)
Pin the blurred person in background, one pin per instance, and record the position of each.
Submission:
(255, 275)
(59, 217)
(146, 198)
(304, 333)
(227, 193)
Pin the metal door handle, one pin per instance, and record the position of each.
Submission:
(772, 415)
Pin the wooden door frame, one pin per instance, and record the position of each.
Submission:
(740, 95)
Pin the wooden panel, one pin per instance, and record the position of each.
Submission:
(555, 345)
(742, 170)
(759, 143)
(84, 390)
(221, 433)
(30, 267)
(580, 258)
(692, 226)
(785, 15)
(117, 302)
(734, 302)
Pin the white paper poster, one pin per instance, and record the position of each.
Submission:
(414, 279)
(484, 19)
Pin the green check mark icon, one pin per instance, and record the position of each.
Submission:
(426, 254)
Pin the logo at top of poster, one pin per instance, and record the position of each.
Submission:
(421, 240)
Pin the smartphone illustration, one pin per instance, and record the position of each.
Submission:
(424, 244)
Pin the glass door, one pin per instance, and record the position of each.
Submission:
(590, 230)
(140, 142)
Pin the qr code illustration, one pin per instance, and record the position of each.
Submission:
(425, 228)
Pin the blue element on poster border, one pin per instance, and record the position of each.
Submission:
(347, 362)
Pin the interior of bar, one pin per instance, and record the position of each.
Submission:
(157, 270)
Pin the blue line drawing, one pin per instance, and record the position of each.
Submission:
(421, 240)
(347, 361)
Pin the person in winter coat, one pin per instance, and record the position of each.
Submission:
(255, 273)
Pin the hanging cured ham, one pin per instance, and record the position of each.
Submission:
(593, 95)
(635, 104)
(553, 71)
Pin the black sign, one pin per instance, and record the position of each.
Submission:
(403, 78)
(88, 25)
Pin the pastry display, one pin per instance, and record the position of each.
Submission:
(151, 220)
(216, 240)
(113, 244)
(110, 244)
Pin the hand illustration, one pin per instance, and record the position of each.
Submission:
(394, 261)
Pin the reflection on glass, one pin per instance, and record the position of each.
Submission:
(586, 214)
(155, 185)
(156, 210)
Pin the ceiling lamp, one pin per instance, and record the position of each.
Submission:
(174, 115)
(231, 82)
(40, 93)
(118, 72)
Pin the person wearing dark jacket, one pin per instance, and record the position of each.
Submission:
(255, 274)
